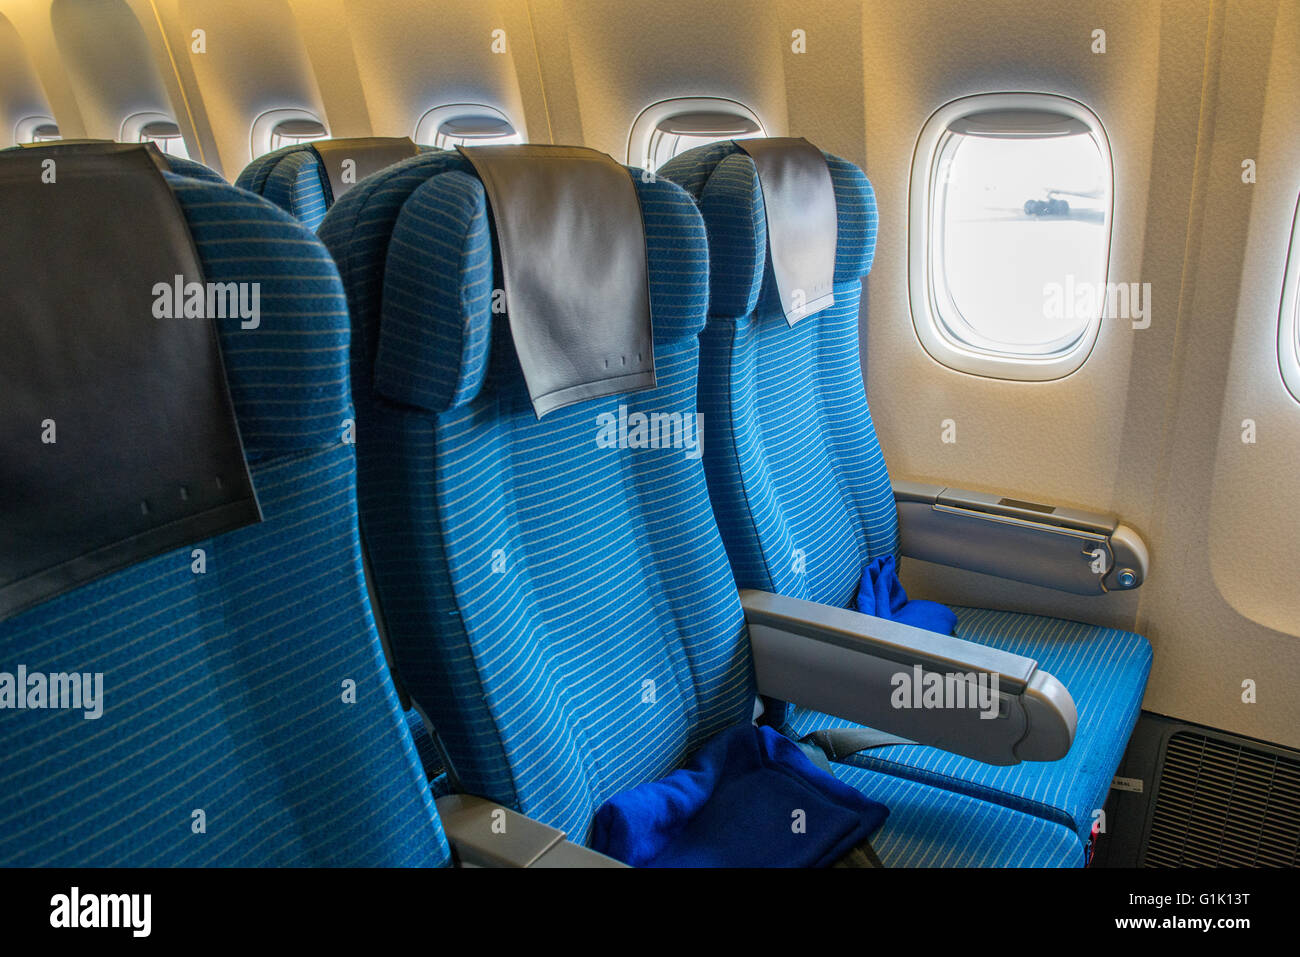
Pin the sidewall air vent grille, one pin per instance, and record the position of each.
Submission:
(1224, 803)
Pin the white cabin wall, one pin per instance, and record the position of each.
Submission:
(31, 21)
(1229, 611)
(109, 62)
(420, 55)
(1066, 441)
(21, 92)
(324, 28)
(825, 95)
(364, 67)
(604, 61)
(255, 60)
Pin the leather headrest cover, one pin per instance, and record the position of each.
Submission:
(118, 440)
(85, 141)
(799, 199)
(88, 146)
(348, 161)
(573, 258)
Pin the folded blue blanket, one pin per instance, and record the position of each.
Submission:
(748, 798)
(880, 593)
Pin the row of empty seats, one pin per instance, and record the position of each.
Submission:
(567, 616)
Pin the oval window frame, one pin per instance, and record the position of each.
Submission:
(1288, 319)
(923, 296)
(641, 138)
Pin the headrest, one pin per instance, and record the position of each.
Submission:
(799, 202)
(119, 440)
(415, 247)
(436, 329)
(345, 162)
(724, 179)
(87, 147)
(177, 164)
(573, 259)
(305, 179)
(82, 141)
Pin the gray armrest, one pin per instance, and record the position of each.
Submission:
(567, 854)
(876, 672)
(1068, 549)
(485, 834)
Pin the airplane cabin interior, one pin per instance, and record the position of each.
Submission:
(592, 434)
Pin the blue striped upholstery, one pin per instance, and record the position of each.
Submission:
(801, 492)
(224, 691)
(1106, 672)
(932, 827)
(192, 170)
(534, 585)
(294, 179)
(794, 466)
(425, 746)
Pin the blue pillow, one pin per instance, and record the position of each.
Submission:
(880, 593)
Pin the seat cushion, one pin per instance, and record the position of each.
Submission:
(933, 827)
(1105, 670)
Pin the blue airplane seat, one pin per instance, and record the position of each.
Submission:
(804, 501)
(306, 179)
(562, 611)
(247, 715)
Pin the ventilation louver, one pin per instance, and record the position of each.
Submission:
(1224, 803)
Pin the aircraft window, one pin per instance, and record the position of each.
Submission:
(1288, 334)
(167, 137)
(465, 124)
(277, 129)
(154, 128)
(293, 132)
(671, 127)
(677, 134)
(36, 129)
(1010, 236)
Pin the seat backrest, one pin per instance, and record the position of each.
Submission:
(247, 716)
(306, 179)
(795, 472)
(563, 611)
